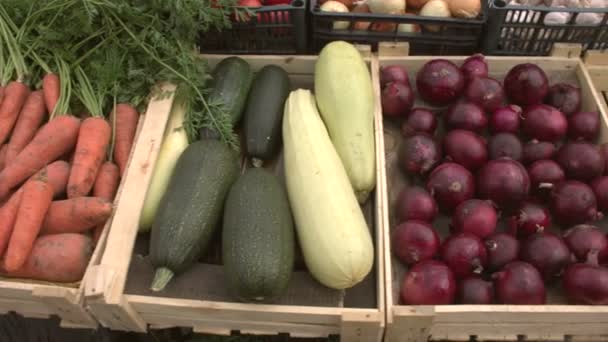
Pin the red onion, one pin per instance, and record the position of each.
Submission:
(474, 290)
(415, 241)
(466, 115)
(600, 189)
(585, 238)
(544, 123)
(428, 282)
(415, 203)
(486, 92)
(564, 97)
(419, 154)
(545, 175)
(519, 283)
(465, 254)
(574, 202)
(526, 84)
(581, 160)
(465, 148)
(397, 99)
(547, 252)
(419, 120)
(586, 283)
(451, 184)
(476, 217)
(505, 145)
(537, 150)
(584, 126)
(474, 66)
(502, 249)
(505, 182)
(531, 218)
(604, 152)
(506, 119)
(393, 74)
(440, 82)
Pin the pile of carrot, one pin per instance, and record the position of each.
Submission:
(58, 179)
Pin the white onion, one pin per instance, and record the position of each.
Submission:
(335, 6)
(387, 6)
(465, 8)
(409, 28)
(435, 8)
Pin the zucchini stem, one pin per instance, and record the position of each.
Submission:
(162, 277)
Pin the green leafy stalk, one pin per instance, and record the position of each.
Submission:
(65, 91)
(92, 101)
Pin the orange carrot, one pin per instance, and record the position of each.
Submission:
(57, 258)
(57, 174)
(125, 126)
(51, 88)
(1, 93)
(76, 215)
(31, 117)
(14, 97)
(3, 151)
(53, 140)
(105, 187)
(93, 140)
(35, 202)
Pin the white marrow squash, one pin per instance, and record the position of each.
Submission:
(332, 231)
(343, 88)
(175, 141)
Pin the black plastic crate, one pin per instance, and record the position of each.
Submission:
(453, 36)
(521, 30)
(279, 29)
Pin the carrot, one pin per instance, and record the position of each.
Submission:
(57, 258)
(1, 93)
(35, 202)
(51, 88)
(14, 97)
(53, 140)
(3, 151)
(31, 117)
(125, 123)
(76, 215)
(105, 187)
(93, 140)
(57, 173)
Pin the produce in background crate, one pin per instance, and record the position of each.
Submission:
(332, 231)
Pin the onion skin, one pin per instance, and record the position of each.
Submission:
(393, 74)
(538, 150)
(415, 203)
(466, 115)
(600, 188)
(475, 217)
(581, 160)
(465, 254)
(585, 238)
(486, 92)
(419, 154)
(544, 175)
(586, 283)
(451, 184)
(397, 100)
(474, 66)
(440, 81)
(419, 120)
(564, 97)
(415, 241)
(584, 126)
(573, 202)
(474, 290)
(465, 148)
(526, 84)
(531, 218)
(428, 282)
(547, 252)
(505, 182)
(519, 283)
(505, 145)
(467, 9)
(502, 249)
(544, 123)
(506, 120)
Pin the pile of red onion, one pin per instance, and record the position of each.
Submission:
(514, 163)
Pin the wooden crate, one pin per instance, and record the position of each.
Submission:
(555, 321)
(43, 299)
(119, 297)
(597, 64)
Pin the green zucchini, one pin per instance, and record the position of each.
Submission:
(258, 237)
(191, 208)
(264, 113)
(232, 79)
